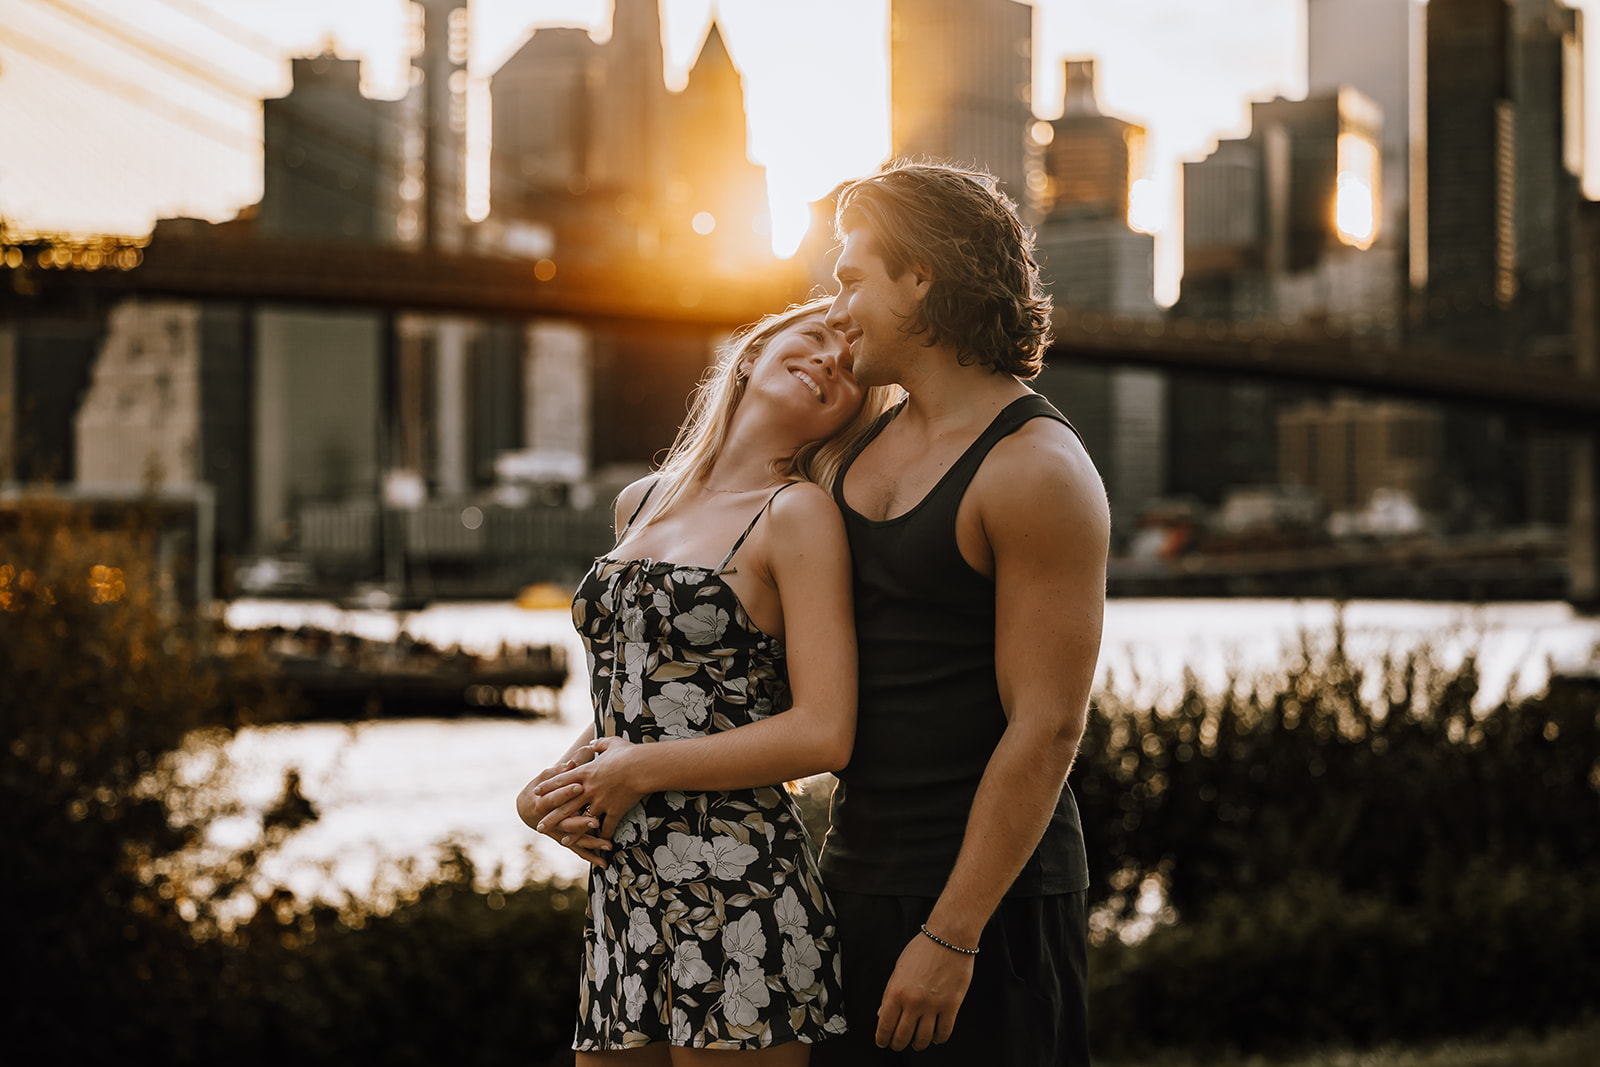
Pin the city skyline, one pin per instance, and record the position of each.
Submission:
(1185, 70)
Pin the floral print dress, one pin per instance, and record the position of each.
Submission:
(709, 927)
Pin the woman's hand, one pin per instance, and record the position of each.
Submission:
(607, 784)
(559, 816)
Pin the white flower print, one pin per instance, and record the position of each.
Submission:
(704, 625)
(680, 703)
(744, 991)
(641, 931)
(743, 942)
(791, 914)
(727, 857)
(600, 961)
(675, 800)
(689, 967)
(800, 962)
(631, 619)
(679, 859)
(634, 657)
(633, 995)
(688, 576)
(630, 827)
(681, 1033)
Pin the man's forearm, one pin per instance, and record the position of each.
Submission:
(1011, 811)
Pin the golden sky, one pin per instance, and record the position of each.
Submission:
(103, 135)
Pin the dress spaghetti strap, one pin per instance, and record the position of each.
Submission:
(725, 569)
(642, 502)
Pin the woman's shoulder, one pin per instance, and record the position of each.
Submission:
(631, 497)
(802, 509)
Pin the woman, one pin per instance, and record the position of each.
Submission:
(707, 925)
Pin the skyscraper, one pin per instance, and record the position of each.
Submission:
(1283, 223)
(1092, 261)
(1471, 183)
(330, 158)
(436, 119)
(960, 77)
(1375, 46)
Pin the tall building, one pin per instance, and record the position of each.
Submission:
(1376, 46)
(717, 198)
(1547, 85)
(1092, 261)
(331, 158)
(960, 76)
(1283, 224)
(1504, 147)
(1471, 176)
(592, 151)
(435, 141)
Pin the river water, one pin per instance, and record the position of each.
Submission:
(394, 791)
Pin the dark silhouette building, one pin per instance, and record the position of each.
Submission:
(331, 158)
(1092, 261)
(1282, 224)
(594, 159)
(1504, 149)
(960, 77)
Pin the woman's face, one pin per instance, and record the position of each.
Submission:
(806, 370)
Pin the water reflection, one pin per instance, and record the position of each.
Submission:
(394, 790)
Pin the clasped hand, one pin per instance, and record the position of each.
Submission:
(579, 803)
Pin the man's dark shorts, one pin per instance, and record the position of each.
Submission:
(1027, 1006)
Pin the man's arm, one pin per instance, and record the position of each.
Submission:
(1044, 518)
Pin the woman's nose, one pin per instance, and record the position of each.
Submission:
(827, 361)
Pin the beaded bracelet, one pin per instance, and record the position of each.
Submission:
(936, 939)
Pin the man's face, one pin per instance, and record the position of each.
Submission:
(872, 309)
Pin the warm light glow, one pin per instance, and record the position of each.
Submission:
(1043, 133)
(479, 144)
(704, 222)
(1145, 212)
(1355, 213)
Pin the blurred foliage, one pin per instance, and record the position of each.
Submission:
(1338, 855)
(123, 941)
(1326, 856)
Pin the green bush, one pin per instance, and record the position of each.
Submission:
(1302, 776)
(117, 939)
(1306, 963)
(1340, 867)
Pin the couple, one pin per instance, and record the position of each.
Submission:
(964, 549)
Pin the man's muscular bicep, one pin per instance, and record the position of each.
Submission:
(1049, 531)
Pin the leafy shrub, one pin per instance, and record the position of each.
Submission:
(1303, 776)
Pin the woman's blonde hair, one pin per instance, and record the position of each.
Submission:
(705, 431)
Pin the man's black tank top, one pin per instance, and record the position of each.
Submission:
(929, 715)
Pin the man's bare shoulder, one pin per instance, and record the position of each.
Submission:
(1044, 457)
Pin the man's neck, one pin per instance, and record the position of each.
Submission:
(943, 392)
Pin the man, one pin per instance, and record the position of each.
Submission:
(978, 532)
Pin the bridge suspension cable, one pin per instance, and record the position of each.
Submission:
(130, 91)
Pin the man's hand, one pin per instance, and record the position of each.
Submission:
(923, 995)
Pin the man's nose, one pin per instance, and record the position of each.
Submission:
(837, 318)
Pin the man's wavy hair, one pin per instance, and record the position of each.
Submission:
(986, 300)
